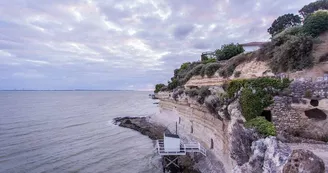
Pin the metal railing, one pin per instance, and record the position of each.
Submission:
(184, 148)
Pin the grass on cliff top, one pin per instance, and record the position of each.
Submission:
(263, 126)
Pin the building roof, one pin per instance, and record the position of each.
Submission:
(253, 44)
(172, 135)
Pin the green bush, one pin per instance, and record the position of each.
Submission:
(312, 7)
(228, 51)
(258, 83)
(252, 104)
(158, 87)
(316, 23)
(192, 92)
(232, 63)
(283, 22)
(210, 60)
(294, 54)
(237, 74)
(202, 94)
(308, 94)
(256, 94)
(185, 65)
(263, 126)
(202, 71)
(211, 69)
(197, 69)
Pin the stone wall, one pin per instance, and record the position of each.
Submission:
(318, 89)
(284, 117)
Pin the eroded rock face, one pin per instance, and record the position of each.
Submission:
(269, 155)
(241, 143)
(304, 161)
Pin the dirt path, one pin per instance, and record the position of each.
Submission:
(321, 150)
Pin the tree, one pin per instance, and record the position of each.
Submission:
(316, 23)
(158, 87)
(283, 22)
(228, 51)
(313, 7)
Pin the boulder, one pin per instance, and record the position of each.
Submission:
(269, 155)
(304, 161)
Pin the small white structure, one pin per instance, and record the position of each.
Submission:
(172, 145)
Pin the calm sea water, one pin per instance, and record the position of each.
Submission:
(66, 131)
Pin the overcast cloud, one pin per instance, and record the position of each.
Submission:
(126, 44)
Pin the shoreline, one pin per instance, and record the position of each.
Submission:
(155, 131)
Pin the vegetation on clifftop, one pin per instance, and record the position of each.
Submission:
(263, 126)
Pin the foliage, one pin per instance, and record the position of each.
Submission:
(192, 92)
(256, 93)
(185, 65)
(212, 102)
(270, 84)
(202, 94)
(158, 87)
(173, 84)
(294, 54)
(203, 57)
(228, 51)
(312, 7)
(316, 23)
(237, 74)
(263, 126)
(211, 69)
(308, 94)
(232, 63)
(209, 60)
(283, 22)
(253, 101)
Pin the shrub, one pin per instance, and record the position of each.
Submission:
(259, 83)
(312, 7)
(202, 94)
(185, 65)
(252, 103)
(232, 63)
(158, 87)
(237, 74)
(210, 60)
(316, 23)
(192, 92)
(308, 94)
(212, 102)
(211, 69)
(197, 69)
(283, 22)
(202, 71)
(228, 51)
(263, 126)
(294, 54)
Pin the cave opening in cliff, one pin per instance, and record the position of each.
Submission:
(316, 114)
(212, 143)
(314, 103)
(267, 115)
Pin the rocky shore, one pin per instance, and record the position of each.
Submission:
(155, 131)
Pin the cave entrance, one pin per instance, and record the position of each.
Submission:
(212, 143)
(267, 115)
(316, 114)
(314, 103)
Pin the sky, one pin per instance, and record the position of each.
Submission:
(121, 44)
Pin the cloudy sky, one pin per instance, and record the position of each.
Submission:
(121, 44)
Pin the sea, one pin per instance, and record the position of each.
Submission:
(73, 132)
